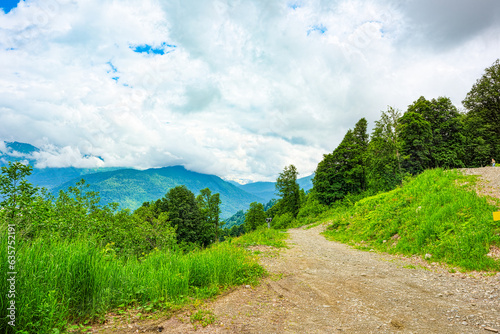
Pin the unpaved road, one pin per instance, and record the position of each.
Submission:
(320, 286)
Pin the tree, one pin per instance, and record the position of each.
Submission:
(209, 206)
(416, 134)
(289, 191)
(184, 215)
(17, 195)
(344, 170)
(255, 216)
(483, 105)
(384, 152)
(446, 146)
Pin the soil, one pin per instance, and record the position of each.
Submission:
(320, 286)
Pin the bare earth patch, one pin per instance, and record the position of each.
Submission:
(489, 184)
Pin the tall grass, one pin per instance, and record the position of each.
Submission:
(437, 213)
(60, 281)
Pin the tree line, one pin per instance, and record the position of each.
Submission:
(429, 134)
(178, 220)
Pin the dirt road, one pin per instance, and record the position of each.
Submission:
(319, 286)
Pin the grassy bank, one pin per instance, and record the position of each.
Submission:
(437, 213)
(61, 282)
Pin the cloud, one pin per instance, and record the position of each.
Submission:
(233, 88)
(449, 23)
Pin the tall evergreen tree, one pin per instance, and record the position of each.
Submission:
(289, 191)
(344, 170)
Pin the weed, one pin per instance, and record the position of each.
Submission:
(204, 317)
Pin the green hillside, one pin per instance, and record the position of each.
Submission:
(437, 215)
(130, 188)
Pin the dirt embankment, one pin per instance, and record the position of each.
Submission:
(319, 286)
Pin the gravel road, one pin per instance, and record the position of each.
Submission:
(320, 286)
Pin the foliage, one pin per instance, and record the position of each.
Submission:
(64, 281)
(445, 146)
(437, 213)
(282, 221)
(209, 206)
(17, 194)
(312, 207)
(262, 236)
(255, 216)
(483, 105)
(184, 214)
(384, 160)
(289, 190)
(416, 134)
(343, 171)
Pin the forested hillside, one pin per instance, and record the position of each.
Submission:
(130, 187)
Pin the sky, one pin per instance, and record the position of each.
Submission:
(239, 89)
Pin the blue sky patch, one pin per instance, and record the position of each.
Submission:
(154, 50)
(8, 5)
(113, 68)
(317, 27)
(294, 5)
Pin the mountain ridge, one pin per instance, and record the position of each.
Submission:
(131, 187)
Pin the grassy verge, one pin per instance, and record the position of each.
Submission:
(437, 215)
(263, 236)
(62, 282)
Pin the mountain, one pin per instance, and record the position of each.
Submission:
(267, 190)
(264, 190)
(43, 177)
(130, 187)
(15, 151)
(306, 182)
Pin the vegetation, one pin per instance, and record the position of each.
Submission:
(436, 213)
(74, 260)
(361, 185)
(255, 216)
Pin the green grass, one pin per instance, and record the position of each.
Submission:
(63, 282)
(438, 213)
(263, 236)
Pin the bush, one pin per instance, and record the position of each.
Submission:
(282, 221)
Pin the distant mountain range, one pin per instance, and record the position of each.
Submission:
(131, 187)
(267, 190)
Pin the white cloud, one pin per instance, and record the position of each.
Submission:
(246, 88)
